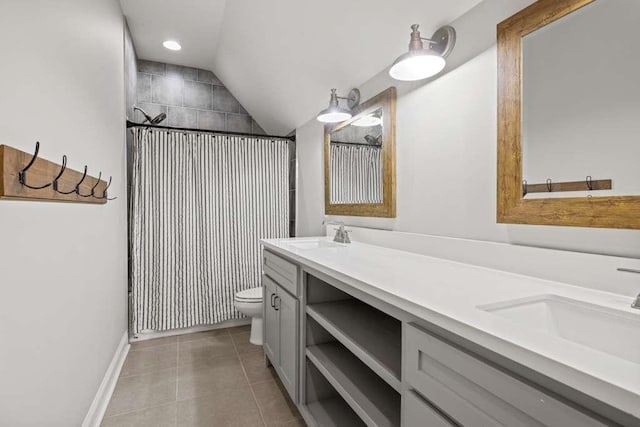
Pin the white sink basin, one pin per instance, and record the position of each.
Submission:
(614, 332)
(313, 244)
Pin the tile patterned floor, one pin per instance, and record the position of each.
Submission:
(205, 379)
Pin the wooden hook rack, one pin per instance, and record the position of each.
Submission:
(43, 173)
(587, 184)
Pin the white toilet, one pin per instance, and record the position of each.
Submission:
(249, 303)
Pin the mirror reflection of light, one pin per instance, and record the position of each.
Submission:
(368, 121)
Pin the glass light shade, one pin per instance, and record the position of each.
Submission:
(417, 65)
(368, 121)
(172, 45)
(333, 115)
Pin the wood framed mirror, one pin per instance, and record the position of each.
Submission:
(360, 160)
(568, 114)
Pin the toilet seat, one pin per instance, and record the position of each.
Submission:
(252, 295)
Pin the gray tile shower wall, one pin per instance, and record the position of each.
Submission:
(195, 98)
(191, 98)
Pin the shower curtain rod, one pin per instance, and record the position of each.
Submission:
(131, 124)
(356, 143)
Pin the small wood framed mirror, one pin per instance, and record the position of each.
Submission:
(360, 160)
(569, 115)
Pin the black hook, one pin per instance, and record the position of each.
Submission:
(589, 183)
(92, 193)
(77, 187)
(104, 193)
(62, 169)
(524, 187)
(22, 175)
(549, 187)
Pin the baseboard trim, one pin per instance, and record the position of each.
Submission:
(143, 336)
(103, 396)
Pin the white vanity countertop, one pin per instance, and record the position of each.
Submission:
(447, 294)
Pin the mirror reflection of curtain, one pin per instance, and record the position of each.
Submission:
(356, 174)
(200, 203)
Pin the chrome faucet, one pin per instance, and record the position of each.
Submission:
(342, 234)
(635, 304)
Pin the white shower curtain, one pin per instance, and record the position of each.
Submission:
(199, 204)
(356, 174)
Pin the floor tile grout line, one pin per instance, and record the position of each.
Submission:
(255, 399)
(177, 367)
(177, 376)
(144, 408)
(155, 371)
(139, 409)
(176, 401)
(244, 371)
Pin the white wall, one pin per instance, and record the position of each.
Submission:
(446, 154)
(63, 271)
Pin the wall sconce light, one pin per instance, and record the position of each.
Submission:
(334, 113)
(420, 62)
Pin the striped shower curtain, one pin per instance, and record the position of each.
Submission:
(199, 204)
(356, 174)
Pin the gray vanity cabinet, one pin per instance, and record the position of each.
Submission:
(281, 311)
(288, 313)
(349, 358)
(271, 341)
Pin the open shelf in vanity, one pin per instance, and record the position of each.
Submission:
(357, 350)
(324, 403)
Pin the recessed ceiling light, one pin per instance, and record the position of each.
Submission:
(171, 45)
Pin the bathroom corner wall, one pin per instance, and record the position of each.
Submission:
(130, 73)
(293, 161)
(191, 98)
(63, 266)
(131, 83)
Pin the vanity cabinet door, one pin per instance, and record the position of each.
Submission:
(271, 322)
(288, 310)
(475, 393)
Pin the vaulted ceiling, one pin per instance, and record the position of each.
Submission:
(281, 57)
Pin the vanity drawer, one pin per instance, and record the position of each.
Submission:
(418, 413)
(473, 392)
(282, 271)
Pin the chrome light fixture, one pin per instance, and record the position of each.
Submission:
(336, 114)
(420, 62)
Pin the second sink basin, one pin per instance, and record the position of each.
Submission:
(611, 331)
